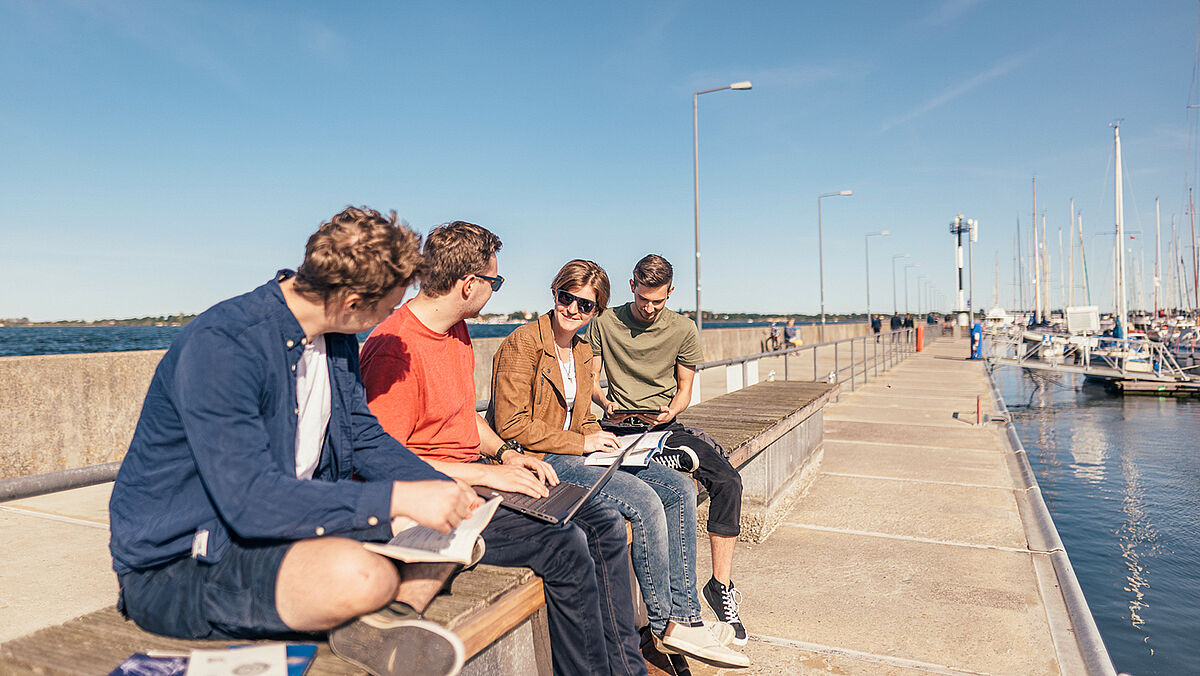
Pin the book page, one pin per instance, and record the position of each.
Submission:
(416, 543)
(638, 456)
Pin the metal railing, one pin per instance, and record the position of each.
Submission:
(865, 356)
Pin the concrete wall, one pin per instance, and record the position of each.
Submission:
(66, 411)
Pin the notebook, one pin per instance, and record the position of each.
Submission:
(564, 500)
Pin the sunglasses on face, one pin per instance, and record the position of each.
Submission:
(496, 281)
(565, 299)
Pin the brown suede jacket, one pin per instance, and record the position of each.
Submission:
(528, 405)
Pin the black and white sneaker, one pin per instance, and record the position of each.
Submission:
(683, 459)
(724, 602)
(390, 643)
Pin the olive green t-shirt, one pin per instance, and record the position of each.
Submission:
(639, 359)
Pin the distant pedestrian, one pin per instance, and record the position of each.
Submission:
(896, 322)
(876, 326)
(908, 321)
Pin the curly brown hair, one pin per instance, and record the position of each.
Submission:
(579, 273)
(455, 250)
(359, 251)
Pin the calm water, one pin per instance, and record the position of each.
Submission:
(1121, 476)
(28, 340)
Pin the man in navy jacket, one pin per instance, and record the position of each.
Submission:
(256, 469)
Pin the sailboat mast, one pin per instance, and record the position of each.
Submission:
(1071, 256)
(1119, 210)
(1195, 255)
(1037, 268)
(1157, 251)
(1087, 284)
(1046, 286)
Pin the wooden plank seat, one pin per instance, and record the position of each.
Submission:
(773, 432)
(484, 605)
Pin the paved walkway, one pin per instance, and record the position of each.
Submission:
(907, 554)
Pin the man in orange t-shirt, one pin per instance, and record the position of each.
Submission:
(418, 368)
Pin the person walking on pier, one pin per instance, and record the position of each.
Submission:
(649, 354)
(236, 513)
(876, 326)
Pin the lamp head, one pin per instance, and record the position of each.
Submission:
(745, 84)
(846, 192)
(884, 233)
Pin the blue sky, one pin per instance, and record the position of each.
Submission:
(162, 156)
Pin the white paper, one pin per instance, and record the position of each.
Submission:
(416, 543)
(650, 445)
(263, 660)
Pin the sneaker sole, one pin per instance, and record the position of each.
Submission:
(690, 651)
(399, 648)
(736, 641)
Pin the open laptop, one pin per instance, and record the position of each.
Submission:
(564, 500)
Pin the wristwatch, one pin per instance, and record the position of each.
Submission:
(509, 445)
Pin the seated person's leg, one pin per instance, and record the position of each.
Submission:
(261, 590)
(636, 501)
(559, 554)
(605, 530)
(677, 494)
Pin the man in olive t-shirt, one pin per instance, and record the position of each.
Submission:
(650, 354)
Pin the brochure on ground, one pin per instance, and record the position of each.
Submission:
(639, 455)
(299, 656)
(415, 543)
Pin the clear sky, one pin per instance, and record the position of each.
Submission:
(162, 156)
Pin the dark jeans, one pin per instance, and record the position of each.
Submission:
(584, 567)
(719, 478)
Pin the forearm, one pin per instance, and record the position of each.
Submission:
(489, 441)
(470, 472)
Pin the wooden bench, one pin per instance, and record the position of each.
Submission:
(498, 612)
(772, 429)
(773, 432)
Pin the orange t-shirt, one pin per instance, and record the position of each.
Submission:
(421, 386)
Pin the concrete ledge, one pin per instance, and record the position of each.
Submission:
(1079, 643)
(773, 433)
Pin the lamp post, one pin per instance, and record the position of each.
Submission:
(696, 182)
(920, 291)
(895, 308)
(907, 267)
(867, 256)
(821, 252)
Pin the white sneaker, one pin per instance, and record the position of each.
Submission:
(704, 644)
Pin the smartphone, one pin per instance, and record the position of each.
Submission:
(636, 411)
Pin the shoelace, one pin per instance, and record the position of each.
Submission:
(671, 460)
(731, 598)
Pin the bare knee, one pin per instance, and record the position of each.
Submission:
(323, 583)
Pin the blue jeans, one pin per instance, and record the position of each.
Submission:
(660, 504)
(585, 572)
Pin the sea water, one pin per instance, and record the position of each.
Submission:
(1121, 476)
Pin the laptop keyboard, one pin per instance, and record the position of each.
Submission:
(562, 497)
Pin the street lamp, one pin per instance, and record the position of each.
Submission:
(821, 252)
(696, 182)
(908, 267)
(895, 309)
(867, 255)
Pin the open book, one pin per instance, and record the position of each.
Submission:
(650, 444)
(418, 544)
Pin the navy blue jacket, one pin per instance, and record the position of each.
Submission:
(213, 456)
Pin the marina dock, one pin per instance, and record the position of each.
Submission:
(919, 546)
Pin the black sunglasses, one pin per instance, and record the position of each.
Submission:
(496, 281)
(565, 299)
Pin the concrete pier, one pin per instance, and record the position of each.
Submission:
(913, 549)
(908, 553)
